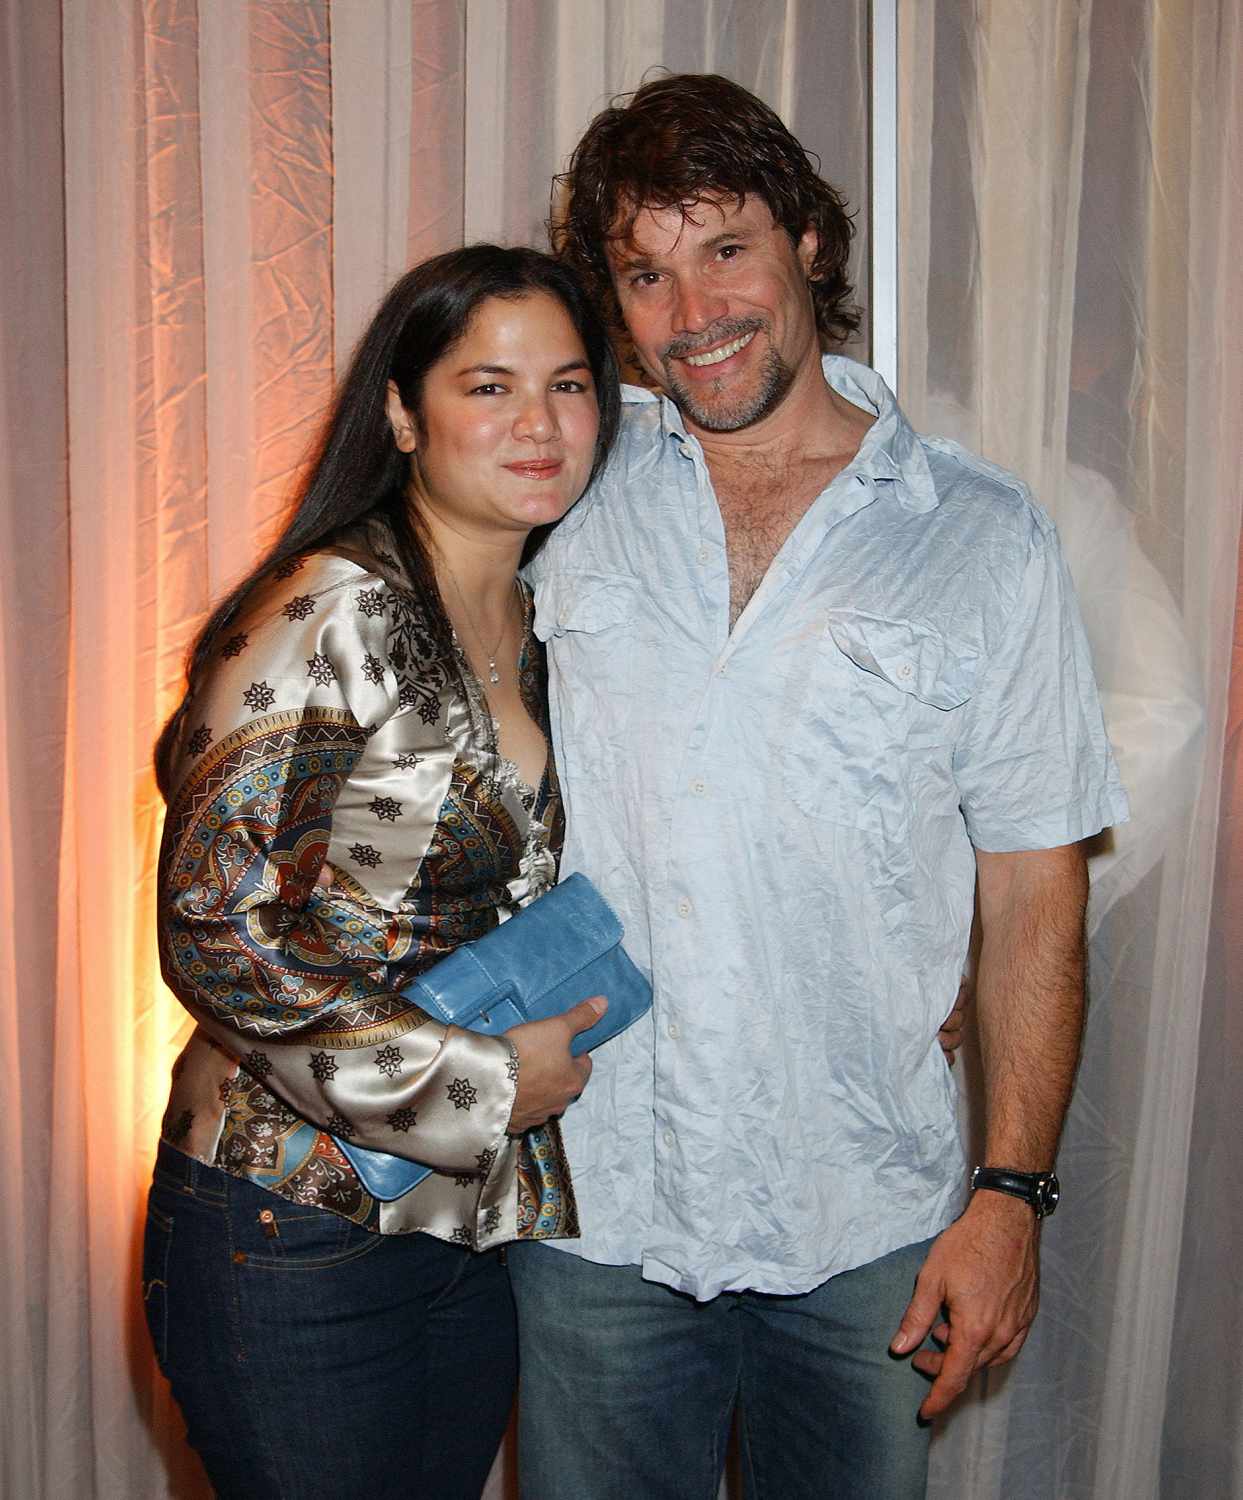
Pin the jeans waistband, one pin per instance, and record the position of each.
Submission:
(175, 1169)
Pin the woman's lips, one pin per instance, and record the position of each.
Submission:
(539, 468)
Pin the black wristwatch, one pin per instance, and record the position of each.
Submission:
(1040, 1189)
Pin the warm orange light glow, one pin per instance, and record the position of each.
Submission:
(161, 1022)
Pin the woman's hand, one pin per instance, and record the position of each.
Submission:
(951, 1032)
(549, 1078)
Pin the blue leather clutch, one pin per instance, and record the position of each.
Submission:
(557, 951)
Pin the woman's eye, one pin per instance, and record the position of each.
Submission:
(491, 389)
(645, 278)
(728, 252)
(570, 387)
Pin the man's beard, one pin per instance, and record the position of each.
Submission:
(728, 414)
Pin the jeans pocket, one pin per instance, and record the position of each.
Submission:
(268, 1232)
(156, 1249)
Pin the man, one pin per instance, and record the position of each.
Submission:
(813, 678)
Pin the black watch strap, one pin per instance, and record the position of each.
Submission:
(1039, 1189)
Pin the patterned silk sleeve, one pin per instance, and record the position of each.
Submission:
(288, 760)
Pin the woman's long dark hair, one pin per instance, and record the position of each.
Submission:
(358, 472)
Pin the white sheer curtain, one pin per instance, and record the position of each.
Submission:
(213, 197)
(450, 119)
(1070, 285)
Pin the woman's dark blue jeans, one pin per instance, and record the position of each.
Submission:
(313, 1359)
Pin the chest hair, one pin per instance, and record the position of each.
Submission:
(760, 506)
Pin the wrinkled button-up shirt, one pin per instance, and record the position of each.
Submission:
(785, 817)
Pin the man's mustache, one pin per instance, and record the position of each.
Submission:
(719, 333)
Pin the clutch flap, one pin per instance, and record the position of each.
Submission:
(457, 988)
(568, 929)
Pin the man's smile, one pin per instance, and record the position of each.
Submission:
(716, 356)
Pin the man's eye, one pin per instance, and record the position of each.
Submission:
(569, 387)
(644, 278)
(728, 252)
(490, 389)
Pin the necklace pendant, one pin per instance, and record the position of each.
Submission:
(493, 674)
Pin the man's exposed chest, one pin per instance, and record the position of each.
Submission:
(759, 511)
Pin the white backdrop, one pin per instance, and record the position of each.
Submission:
(240, 182)
(1070, 305)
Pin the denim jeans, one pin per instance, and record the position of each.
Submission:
(313, 1359)
(628, 1388)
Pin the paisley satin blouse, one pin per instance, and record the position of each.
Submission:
(327, 730)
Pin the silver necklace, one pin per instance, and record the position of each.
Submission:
(493, 675)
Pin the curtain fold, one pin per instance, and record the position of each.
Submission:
(216, 195)
(1202, 1434)
(98, 1122)
(34, 593)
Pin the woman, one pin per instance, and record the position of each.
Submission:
(369, 702)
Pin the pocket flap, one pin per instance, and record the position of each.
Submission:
(915, 659)
(582, 601)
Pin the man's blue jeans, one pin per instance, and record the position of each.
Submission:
(314, 1360)
(627, 1388)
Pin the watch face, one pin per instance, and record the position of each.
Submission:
(1048, 1191)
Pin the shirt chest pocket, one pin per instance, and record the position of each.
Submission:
(595, 627)
(873, 705)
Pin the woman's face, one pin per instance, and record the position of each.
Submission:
(509, 422)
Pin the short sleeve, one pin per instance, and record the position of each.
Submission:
(1032, 761)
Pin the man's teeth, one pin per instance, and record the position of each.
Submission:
(723, 352)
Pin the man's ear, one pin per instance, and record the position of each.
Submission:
(405, 434)
(807, 249)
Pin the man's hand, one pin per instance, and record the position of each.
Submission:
(549, 1078)
(977, 1294)
(978, 1289)
(951, 1033)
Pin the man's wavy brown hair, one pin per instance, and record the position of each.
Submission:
(683, 138)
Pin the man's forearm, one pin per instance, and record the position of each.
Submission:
(981, 1277)
(1030, 996)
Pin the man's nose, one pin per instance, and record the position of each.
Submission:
(698, 306)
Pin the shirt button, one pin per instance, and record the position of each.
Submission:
(704, 554)
(905, 670)
(684, 907)
(699, 786)
(669, 1137)
(674, 1030)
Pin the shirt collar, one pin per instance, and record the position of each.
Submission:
(891, 451)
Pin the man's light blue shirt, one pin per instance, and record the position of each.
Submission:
(784, 816)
